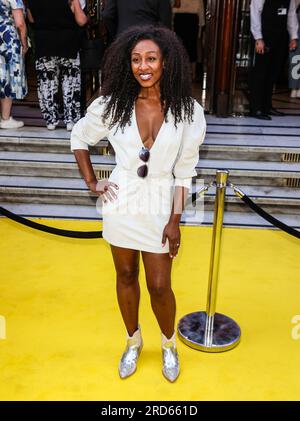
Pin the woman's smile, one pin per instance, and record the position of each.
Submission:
(145, 76)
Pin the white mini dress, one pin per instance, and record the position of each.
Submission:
(137, 218)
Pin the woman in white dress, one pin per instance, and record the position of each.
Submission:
(155, 127)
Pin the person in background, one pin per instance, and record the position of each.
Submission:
(57, 42)
(118, 15)
(188, 22)
(294, 70)
(13, 47)
(271, 22)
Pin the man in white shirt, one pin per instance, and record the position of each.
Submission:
(270, 22)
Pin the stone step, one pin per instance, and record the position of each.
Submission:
(39, 176)
(287, 126)
(213, 148)
(74, 192)
(44, 145)
(238, 139)
(231, 219)
(64, 165)
(242, 122)
(208, 150)
(79, 184)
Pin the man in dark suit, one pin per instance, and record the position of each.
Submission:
(271, 22)
(118, 15)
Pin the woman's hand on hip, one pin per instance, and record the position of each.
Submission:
(172, 233)
(105, 189)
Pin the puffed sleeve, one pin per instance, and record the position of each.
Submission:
(188, 156)
(90, 129)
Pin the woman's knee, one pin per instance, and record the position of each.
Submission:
(159, 290)
(127, 276)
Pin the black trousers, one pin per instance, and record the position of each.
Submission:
(186, 26)
(265, 73)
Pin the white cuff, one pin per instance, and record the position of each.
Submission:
(183, 182)
(258, 36)
(78, 144)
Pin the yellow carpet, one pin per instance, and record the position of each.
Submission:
(64, 333)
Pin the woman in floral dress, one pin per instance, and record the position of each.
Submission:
(13, 46)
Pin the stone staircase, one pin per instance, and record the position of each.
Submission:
(39, 175)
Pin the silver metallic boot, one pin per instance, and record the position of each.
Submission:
(128, 363)
(171, 365)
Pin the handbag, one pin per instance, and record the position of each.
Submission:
(91, 54)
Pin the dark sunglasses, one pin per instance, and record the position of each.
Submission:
(144, 156)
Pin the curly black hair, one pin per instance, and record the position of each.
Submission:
(121, 89)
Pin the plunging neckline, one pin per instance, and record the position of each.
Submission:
(138, 131)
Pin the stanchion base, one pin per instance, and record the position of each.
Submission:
(226, 332)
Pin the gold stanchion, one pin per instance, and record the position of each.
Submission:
(210, 331)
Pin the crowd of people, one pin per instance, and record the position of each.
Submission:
(56, 28)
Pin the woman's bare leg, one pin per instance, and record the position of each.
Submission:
(158, 275)
(128, 290)
(6, 104)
